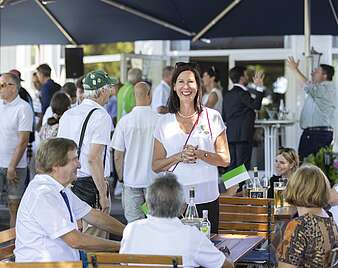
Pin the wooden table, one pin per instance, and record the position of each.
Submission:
(238, 245)
(285, 213)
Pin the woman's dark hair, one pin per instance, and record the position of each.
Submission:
(59, 103)
(174, 101)
(213, 72)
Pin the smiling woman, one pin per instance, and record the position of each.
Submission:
(191, 141)
(287, 161)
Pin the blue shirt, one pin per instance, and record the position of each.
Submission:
(47, 91)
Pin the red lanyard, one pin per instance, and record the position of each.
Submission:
(192, 129)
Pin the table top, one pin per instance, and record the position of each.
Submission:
(238, 245)
(274, 122)
(285, 213)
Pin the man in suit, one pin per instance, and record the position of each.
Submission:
(239, 114)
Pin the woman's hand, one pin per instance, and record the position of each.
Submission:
(188, 155)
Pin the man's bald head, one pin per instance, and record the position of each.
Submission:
(142, 94)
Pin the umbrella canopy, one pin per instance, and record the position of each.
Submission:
(105, 21)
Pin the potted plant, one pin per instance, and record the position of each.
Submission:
(327, 161)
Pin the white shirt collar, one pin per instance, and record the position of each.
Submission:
(164, 220)
(58, 186)
(142, 108)
(165, 84)
(13, 102)
(91, 103)
(241, 86)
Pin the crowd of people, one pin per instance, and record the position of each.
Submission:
(163, 142)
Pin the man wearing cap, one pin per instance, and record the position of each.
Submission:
(16, 121)
(93, 154)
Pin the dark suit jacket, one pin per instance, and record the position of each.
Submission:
(239, 113)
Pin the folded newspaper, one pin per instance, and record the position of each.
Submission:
(235, 176)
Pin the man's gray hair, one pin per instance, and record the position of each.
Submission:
(15, 80)
(134, 75)
(93, 94)
(165, 197)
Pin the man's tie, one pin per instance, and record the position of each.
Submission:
(65, 198)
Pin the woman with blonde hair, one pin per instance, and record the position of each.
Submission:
(287, 162)
(308, 239)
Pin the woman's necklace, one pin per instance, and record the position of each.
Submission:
(186, 116)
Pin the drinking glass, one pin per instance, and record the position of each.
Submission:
(278, 193)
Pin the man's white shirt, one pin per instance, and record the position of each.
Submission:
(165, 236)
(98, 131)
(160, 96)
(15, 117)
(43, 217)
(134, 136)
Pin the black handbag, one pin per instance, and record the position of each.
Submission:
(84, 187)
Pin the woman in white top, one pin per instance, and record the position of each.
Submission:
(191, 141)
(213, 97)
(59, 103)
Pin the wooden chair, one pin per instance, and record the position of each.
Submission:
(7, 243)
(334, 257)
(248, 216)
(75, 264)
(115, 260)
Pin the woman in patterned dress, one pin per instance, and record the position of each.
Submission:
(308, 239)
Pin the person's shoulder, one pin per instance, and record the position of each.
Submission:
(22, 104)
(212, 113)
(166, 118)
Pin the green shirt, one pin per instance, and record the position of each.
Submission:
(125, 100)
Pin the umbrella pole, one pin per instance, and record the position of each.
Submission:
(147, 17)
(56, 23)
(216, 20)
(307, 37)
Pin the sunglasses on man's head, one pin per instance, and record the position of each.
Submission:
(3, 85)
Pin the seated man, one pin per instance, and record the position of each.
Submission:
(46, 227)
(162, 233)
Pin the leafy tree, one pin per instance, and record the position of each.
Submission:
(112, 68)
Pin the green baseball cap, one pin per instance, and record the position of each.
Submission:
(96, 79)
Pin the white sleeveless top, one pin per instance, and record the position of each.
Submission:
(219, 104)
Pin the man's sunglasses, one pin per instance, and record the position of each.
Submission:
(3, 85)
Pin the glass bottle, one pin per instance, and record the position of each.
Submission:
(257, 190)
(191, 212)
(205, 224)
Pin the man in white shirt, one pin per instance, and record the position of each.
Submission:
(94, 157)
(47, 227)
(16, 121)
(165, 234)
(162, 91)
(133, 143)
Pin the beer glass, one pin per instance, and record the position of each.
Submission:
(278, 193)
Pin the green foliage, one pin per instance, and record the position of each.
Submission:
(112, 68)
(325, 159)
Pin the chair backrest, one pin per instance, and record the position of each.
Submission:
(112, 260)
(242, 215)
(334, 258)
(75, 264)
(7, 243)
